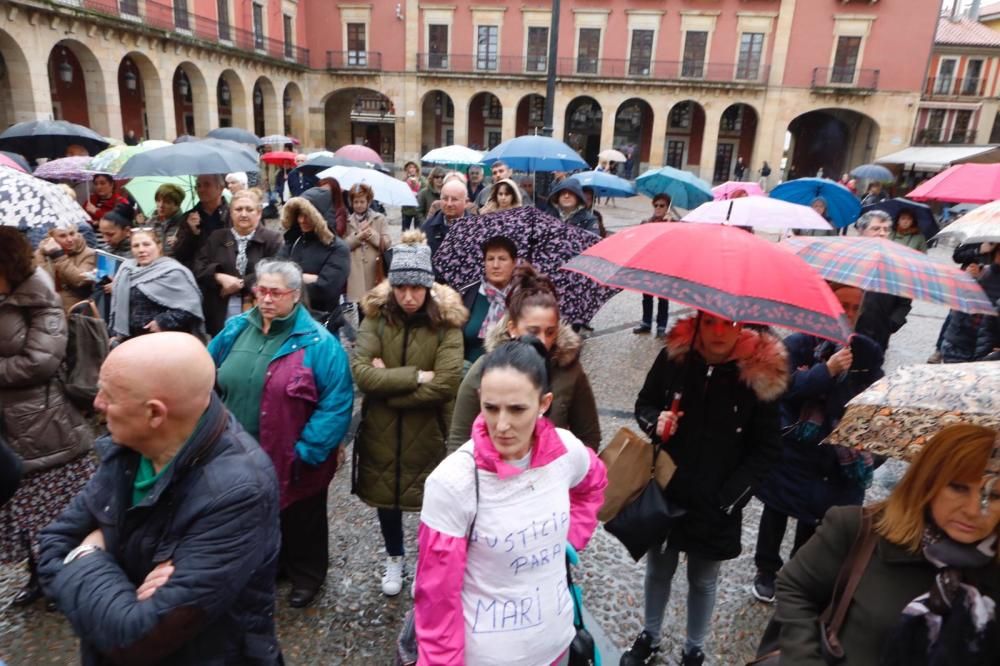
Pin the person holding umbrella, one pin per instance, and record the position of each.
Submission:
(104, 197)
(881, 314)
(662, 212)
(906, 231)
(724, 437)
(931, 582)
(211, 213)
(568, 199)
(504, 195)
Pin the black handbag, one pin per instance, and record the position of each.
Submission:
(647, 520)
(583, 650)
(10, 471)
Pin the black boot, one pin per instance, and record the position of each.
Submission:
(32, 591)
(643, 651)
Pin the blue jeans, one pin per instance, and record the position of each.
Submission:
(703, 576)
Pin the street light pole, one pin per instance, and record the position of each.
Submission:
(550, 81)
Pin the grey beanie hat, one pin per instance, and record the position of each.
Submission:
(411, 265)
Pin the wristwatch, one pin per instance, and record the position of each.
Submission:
(80, 551)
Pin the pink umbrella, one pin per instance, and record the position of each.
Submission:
(726, 190)
(962, 183)
(7, 162)
(359, 153)
(758, 213)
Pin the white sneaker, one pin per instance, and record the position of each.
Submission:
(392, 579)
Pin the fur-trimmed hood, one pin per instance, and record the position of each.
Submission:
(564, 352)
(301, 206)
(761, 358)
(449, 302)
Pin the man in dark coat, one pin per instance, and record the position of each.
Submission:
(724, 440)
(453, 200)
(210, 214)
(169, 554)
(881, 314)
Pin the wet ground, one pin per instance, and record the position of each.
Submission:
(352, 623)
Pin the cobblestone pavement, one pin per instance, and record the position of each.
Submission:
(352, 623)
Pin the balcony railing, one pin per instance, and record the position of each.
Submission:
(949, 86)
(656, 70)
(932, 136)
(176, 19)
(354, 60)
(845, 79)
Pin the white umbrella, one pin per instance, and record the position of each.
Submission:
(981, 225)
(453, 154)
(758, 213)
(387, 189)
(612, 155)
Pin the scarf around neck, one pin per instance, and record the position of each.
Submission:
(497, 299)
(165, 281)
(241, 249)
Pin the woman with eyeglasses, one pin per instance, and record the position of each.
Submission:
(288, 383)
(430, 194)
(153, 293)
(225, 264)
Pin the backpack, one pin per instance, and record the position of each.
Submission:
(86, 349)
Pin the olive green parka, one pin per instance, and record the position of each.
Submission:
(404, 425)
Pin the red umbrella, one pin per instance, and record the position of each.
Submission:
(962, 183)
(359, 153)
(718, 269)
(280, 158)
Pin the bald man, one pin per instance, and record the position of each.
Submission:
(454, 196)
(169, 554)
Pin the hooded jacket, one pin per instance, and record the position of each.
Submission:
(968, 337)
(582, 217)
(727, 439)
(36, 419)
(404, 424)
(322, 200)
(573, 405)
(319, 252)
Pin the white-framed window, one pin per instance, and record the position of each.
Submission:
(487, 47)
(258, 26)
(357, 45)
(640, 59)
(591, 25)
(288, 30)
(945, 79)
(537, 51)
(697, 28)
(751, 56)
(973, 77)
(850, 34)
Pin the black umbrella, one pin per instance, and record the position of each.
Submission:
(321, 162)
(921, 213)
(209, 156)
(235, 134)
(17, 157)
(50, 139)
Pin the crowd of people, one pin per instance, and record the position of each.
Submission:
(237, 348)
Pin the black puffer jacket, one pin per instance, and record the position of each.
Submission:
(214, 514)
(969, 337)
(319, 252)
(726, 441)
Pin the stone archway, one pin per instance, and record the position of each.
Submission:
(14, 75)
(146, 97)
(362, 116)
(190, 92)
(437, 121)
(582, 129)
(530, 117)
(74, 82)
(633, 134)
(266, 112)
(685, 134)
(832, 140)
(737, 132)
(293, 111)
(231, 99)
(485, 121)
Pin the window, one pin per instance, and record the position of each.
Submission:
(222, 7)
(129, 7)
(732, 119)
(973, 77)
(438, 46)
(723, 162)
(641, 54)
(258, 27)
(486, 48)
(945, 77)
(675, 154)
(492, 139)
(357, 55)
(845, 60)
(960, 133)
(538, 49)
(751, 49)
(695, 47)
(449, 137)
(588, 51)
(181, 15)
(935, 123)
(680, 116)
(289, 33)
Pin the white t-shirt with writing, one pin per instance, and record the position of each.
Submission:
(517, 607)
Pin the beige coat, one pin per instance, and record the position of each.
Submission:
(365, 253)
(68, 270)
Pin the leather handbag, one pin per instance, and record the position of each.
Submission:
(832, 618)
(627, 461)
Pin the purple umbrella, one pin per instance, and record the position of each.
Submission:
(72, 169)
(544, 241)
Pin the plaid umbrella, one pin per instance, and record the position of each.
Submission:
(542, 240)
(72, 169)
(35, 205)
(278, 140)
(879, 264)
(897, 414)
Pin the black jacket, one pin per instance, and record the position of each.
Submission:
(726, 441)
(881, 316)
(332, 263)
(214, 514)
(583, 218)
(970, 337)
(187, 245)
(436, 229)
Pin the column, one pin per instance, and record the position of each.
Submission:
(103, 101)
(609, 107)
(508, 124)
(661, 112)
(461, 102)
(710, 139)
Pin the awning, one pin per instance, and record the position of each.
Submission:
(935, 158)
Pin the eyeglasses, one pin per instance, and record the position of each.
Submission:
(268, 292)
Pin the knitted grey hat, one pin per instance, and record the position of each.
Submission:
(411, 265)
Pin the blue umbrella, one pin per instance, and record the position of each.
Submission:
(605, 184)
(921, 213)
(685, 189)
(875, 172)
(536, 153)
(842, 207)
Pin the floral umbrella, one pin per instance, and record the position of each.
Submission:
(72, 169)
(35, 205)
(897, 414)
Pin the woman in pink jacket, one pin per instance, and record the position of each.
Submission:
(496, 518)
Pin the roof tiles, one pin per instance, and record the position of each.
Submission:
(965, 32)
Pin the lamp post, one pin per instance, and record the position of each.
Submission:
(550, 81)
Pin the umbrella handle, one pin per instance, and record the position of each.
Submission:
(675, 406)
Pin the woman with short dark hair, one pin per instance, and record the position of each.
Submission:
(486, 299)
